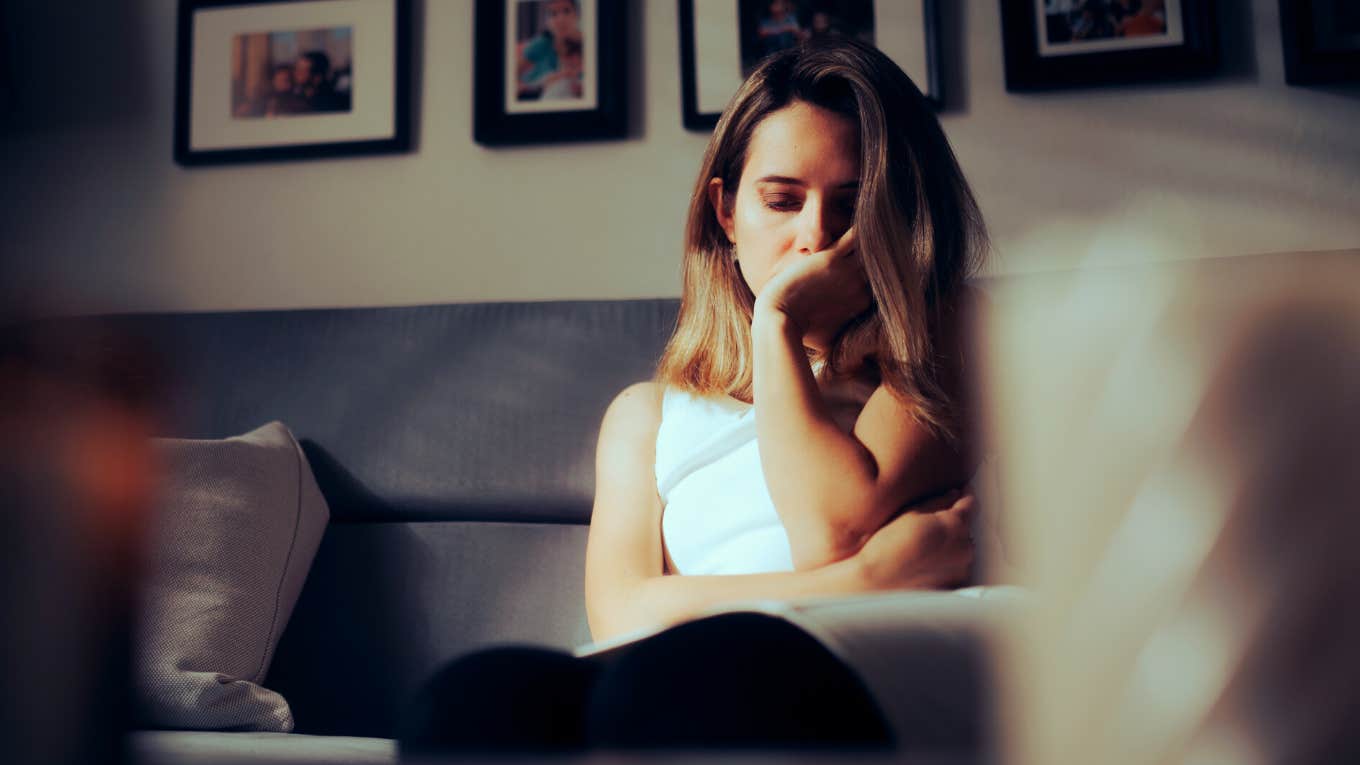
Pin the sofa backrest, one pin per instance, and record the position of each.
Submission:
(455, 447)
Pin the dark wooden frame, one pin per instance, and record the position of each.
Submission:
(399, 142)
(493, 126)
(1305, 62)
(1026, 70)
(932, 89)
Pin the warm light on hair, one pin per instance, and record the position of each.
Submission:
(918, 229)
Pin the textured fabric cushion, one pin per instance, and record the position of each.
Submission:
(238, 523)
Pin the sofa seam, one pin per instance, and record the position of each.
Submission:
(287, 561)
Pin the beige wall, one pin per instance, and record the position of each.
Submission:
(94, 206)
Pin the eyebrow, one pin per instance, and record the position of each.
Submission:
(788, 181)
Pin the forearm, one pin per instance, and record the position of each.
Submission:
(658, 601)
(820, 478)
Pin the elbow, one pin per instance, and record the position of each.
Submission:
(825, 543)
(608, 609)
(836, 530)
(607, 623)
(611, 615)
(621, 610)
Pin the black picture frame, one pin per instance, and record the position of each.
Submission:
(701, 112)
(1317, 49)
(494, 124)
(1030, 69)
(395, 136)
(6, 65)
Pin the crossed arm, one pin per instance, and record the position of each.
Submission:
(841, 497)
(834, 489)
(626, 585)
(626, 588)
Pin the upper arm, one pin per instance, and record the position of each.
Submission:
(624, 545)
(913, 461)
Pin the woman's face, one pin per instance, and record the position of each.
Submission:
(562, 20)
(797, 191)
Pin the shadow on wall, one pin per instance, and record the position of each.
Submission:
(953, 26)
(349, 620)
(1236, 42)
(71, 67)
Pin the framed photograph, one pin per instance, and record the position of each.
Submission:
(721, 41)
(1066, 43)
(1321, 41)
(549, 71)
(259, 80)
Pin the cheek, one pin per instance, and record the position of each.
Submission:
(761, 238)
(756, 267)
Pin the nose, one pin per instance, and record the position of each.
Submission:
(817, 224)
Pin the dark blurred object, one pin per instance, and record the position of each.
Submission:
(61, 71)
(1321, 40)
(76, 481)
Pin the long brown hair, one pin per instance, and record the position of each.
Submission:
(917, 225)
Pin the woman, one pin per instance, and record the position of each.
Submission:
(828, 241)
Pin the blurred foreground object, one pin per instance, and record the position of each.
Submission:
(76, 481)
(1180, 466)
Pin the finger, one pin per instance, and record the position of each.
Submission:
(935, 504)
(959, 515)
(845, 245)
(965, 506)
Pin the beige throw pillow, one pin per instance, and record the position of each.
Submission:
(237, 525)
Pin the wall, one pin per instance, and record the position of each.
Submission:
(93, 208)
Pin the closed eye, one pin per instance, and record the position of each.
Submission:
(783, 204)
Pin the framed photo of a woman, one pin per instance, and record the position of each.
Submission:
(1067, 43)
(268, 80)
(549, 70)
(722, 41)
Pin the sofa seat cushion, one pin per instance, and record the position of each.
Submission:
(192, 747)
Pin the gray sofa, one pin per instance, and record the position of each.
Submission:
(454, 445)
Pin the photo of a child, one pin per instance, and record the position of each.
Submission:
(549, 48)
(769, 26)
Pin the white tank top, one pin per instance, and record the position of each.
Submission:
(718, 517)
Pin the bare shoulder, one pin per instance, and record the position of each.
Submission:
(639, 401)
(633, 415)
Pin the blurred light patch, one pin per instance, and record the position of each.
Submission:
(1177, 442)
